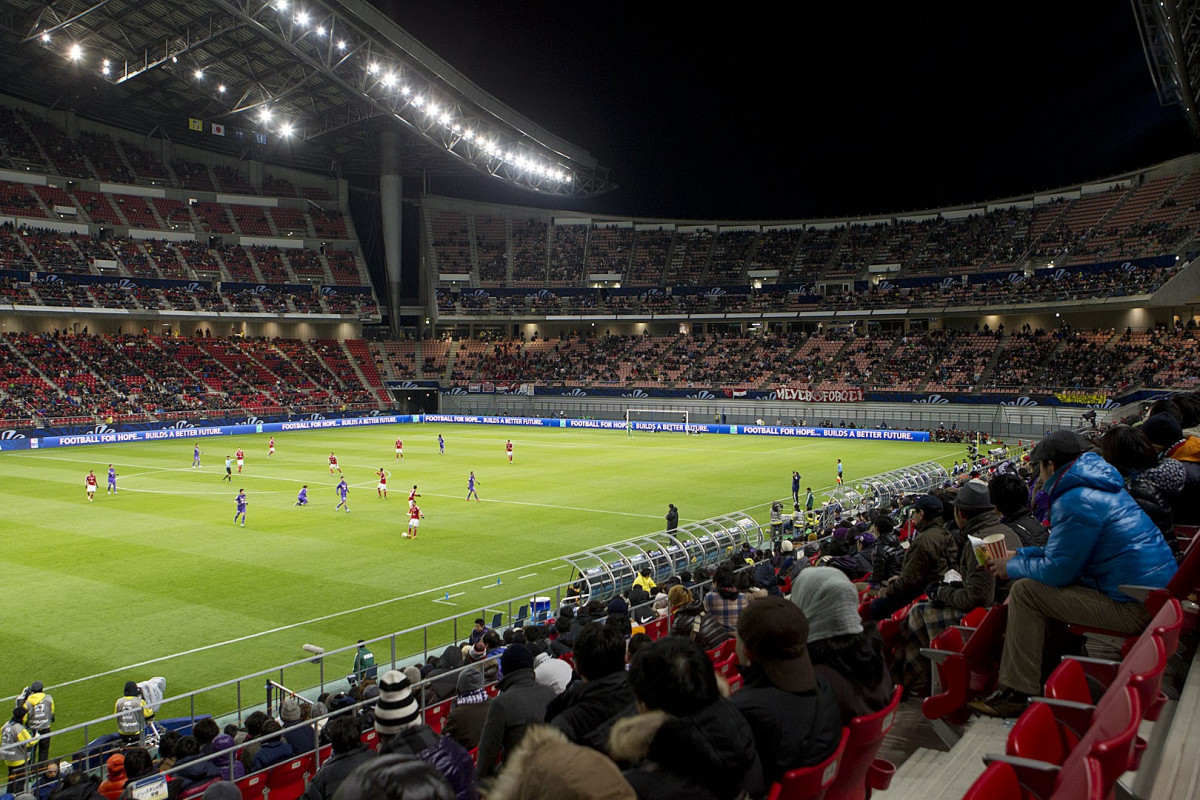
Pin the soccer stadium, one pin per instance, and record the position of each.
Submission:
(344, 423)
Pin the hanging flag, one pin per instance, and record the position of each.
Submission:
(239, 134)
(218, 129)
(195, 124)
(260, 137)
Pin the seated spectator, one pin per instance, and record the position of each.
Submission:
(1099, 541)
(687, 740)
(395, 778)
(1010, 496)
(299, 735)
(887, 559)
(138, 765)
(166, 748)
(692, 620)
(1166, 435)
(77, 785)
(549, 671)
(193, 768)
(586, 710)
(522, 702)
(114, 777)
(464, 723)
(792, 711)
(223, 746)
(536, 770)
(976, 519)
(930, 556)
(205, 730)
(725, 602)
(348, 754)
(273, 749)
(478, 631)
(847, 656)
(644, 580)
(401, 732)
(1156, 486)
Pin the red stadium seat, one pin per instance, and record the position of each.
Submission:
(371, 739)
(287, 781)
(722, 651)
(658, 628)
(253, 787)
(811, 783)
(435, 715)
(964, 668)
(1083, 781)
(861, 772)
(727, 668)
(1142, 669)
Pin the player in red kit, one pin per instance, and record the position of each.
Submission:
(412, 496)
(333, 464)
(241, 458)
(381, 489)
(508, 449)
(414, 519)
(399, 450)
(271, 447)
(89, 483)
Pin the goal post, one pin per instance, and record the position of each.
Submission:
(660, 419)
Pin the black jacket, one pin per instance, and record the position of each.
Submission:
(586, 711)
(887, 560)
(698, 625)
(331, 774)
(522, 702)
(791, 730)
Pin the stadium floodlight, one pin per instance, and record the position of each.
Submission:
(388, 80)
(372, 68)
(106, 67)
(45, 37)
(302, 18)
(286, 129)
(320, 30)
(221, 89)
(75, 52)
(341, 45)
(419, 101)
(199, 74)
(281, 4)
(405, 90)
(265, 114)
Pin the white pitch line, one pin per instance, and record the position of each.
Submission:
(445, 602)
(551, 505)
(523, 577)
(560, 566)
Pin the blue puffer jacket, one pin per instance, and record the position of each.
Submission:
(1099, 537)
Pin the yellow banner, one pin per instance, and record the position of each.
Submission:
(1082, 398)
(195, 124)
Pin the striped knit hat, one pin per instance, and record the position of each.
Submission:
(397, 708)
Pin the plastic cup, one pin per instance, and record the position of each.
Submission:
(995, 546)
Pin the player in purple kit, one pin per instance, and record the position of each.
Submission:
(241, 507)
(471, 487)
(196, 456)
(112, 479)
(343, 490)
(302, 498)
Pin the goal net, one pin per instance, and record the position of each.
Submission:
(660, 419)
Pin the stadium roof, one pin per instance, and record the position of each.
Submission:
(320, 78)
(1172, 44)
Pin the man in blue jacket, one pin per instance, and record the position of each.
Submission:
(1099, 541)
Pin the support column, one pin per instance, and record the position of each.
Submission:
(390, 192)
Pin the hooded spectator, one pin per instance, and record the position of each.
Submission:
(114, 777)
(223, 746)
(847, 656)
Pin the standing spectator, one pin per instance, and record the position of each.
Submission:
(687, 741)
(795, 487)
(348, 754)
(522, 702)
(1099, 541)
(39, 706)
(464, 723)
(930, 556)
(586, 710)
(792, 712)
(364, 662)
(672, 517)
(845, 654)
(724, 601)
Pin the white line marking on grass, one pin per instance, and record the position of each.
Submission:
(290, 626)
(445, 602)
(523, 577)
(551, 505)
(560, 566)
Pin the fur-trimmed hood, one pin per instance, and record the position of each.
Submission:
(545, 764)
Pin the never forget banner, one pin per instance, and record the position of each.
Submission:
(850, 395)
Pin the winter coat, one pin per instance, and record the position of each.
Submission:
(1158, 491)
(791, 729)
(443, 753)
(587, 709)
(931, 554)
(331, 774)
(270, 753)
(694, 622)
(224, 742)
(521, 702)
(980, 588)
(709, 755)
(300, 736)
(1031, 532)
(1098, 535)
(887, 560)
(464, 723)
(192, 772)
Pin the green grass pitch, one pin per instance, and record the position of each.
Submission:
(159, 573)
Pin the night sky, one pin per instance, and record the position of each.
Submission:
(750, 112)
